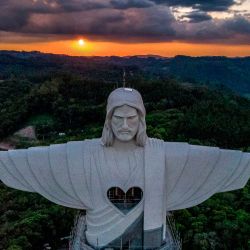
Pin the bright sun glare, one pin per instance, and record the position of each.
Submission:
(81, 42)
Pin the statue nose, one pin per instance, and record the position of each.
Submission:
(125, 124)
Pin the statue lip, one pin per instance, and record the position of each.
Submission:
(124, 131)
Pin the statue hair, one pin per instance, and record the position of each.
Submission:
(108, 135)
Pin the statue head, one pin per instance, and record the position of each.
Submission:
(125, 117)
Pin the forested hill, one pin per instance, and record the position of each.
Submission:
(222, 72)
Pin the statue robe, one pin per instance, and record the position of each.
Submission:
(172, 175)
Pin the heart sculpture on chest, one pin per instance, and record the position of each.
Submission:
(125, 202)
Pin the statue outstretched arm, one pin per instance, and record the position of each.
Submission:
(195, 173)
(57, 172)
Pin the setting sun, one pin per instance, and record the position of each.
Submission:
(81, 42)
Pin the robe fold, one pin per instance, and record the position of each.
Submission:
(172, 175)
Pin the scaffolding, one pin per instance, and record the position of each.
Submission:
(78, 240)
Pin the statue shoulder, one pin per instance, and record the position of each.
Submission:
(96, 142)
(170, 143)
(171, 148)
(91, 145)
(154, 142)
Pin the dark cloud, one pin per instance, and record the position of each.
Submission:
(15, 14)
(80, 5)
(197, 16)
(239, 25)
(110, 24)
(126, 4)
(228, 31)
(12, 21)
(203, 5)
(123, 21)
(16, 37)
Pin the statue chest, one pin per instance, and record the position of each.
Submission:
(123, 169)
(115, 170)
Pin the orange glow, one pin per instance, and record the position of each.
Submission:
(168, 49)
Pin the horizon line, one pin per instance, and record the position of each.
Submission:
(124, 56)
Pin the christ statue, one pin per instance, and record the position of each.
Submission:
(90, 174)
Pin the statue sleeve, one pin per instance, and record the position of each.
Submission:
(195, 173)
(57, 172)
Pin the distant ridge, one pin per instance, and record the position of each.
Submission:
(213, 71)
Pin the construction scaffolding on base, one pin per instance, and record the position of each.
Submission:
(78, 239)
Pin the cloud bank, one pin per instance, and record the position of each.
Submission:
(124, 20)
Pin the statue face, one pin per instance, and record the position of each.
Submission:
(125, 123)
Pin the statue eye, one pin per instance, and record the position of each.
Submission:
(117, 117)
(132, 117)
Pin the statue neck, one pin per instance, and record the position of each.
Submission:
(124, 145)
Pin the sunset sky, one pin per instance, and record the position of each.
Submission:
(127, 27)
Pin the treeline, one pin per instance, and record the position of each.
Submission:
(69, 106)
